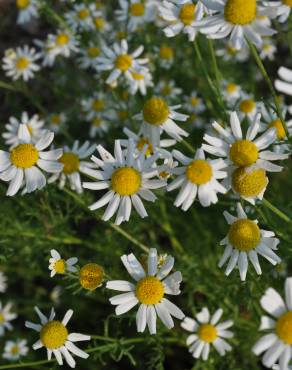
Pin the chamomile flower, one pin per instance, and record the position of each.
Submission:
(60, 266)
(23, 164)
(3, 282)
(135, 13)
(74, 163)
(54, 336)
(148, 290)
(276, 344)
(99, 22)
(63, 43)
(5, 317)
(237, 18)
(229, 53)
(88, 56)
(231, 92)
(120, 62)
(56, 121)
(244, 242)
(140, 81)
(15, 350)
(128, 179)
(283, 8)
(99, 125)
(197, 177)
(47, 51)
(157, 116)
(80, 18)
(271, 119)
(167, 89)
(165, 56)
(181, 17)
(27, 10)
(268, 50)
(20, 63)
(94, 106)
(194, 104)
(34, 125)
(284, 84)
(247, 107)
(206, 332)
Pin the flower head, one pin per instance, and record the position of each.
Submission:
(60, 266)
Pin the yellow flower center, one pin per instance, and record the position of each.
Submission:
(287, 2)
(247, 106)
(199, 172)
(243, 153)
(187, 14)
(231, 51)
(155, 111)
(96, 121)
(267, 47)
(53, 334)
(231, 88)
(22, 4)
(126, 181)
(15, 350)
(2, 318)
(284, 327)
(24, 155)
(240, 11)
(249, 184)
(137, 10)
(281, 134)
(55, 119)
(62, 39)
(22, 63)
(149, 290)
(98, 105)
(244, 235)
(83, 13)
(141, 144)
(60, 266)
(123, 114)
(137, 76)
(166, 90)
(166, 52)
(99, 23)
(93, 52)
(71, 163)
(91, 276)
(207, 333)
(123, 62)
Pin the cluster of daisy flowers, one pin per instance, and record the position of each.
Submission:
(236, 155)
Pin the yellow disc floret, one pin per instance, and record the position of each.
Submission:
(194, 101)
(137, 9)
(83, 13)
(284, 327)
(24, 155)
(187, 14)
(243, 153)
(207, 333)
(99, 23)
(93, 52)
(22, 4)
(244, 235)
(199, 172)
(71, 163)
(240, 12)
(62, 39)
(140, 145)
(22, 63)
(91, 276)
(155, 111)
(60, 266)
(249, 184)
(165, 52)
(2, 318)
(97, 105)
(281, 134)
(231, 88)
(287, 2)
(55, 119)
(126, 181)
(247, 106)
(123, 62)
(53, 334)
(15, 350)
(149, 290)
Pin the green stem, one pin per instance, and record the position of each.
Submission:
(275, 210)
(269, 83)
(188, 146)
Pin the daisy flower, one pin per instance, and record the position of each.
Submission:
(3, 282)
(63, 43)
(247, 107)
(268, 50)
(21, 166)
(181, 17)
(15, 350)
(47, 51)
(284, 84)
(98, 125)
(94, 106)
(245, 241)
(197, 177)
(34, 125)
(59, 266)
(54, 336)
(56, 121)
(165, 56)
(237, 18)
(120, 62)
(271, 119)
(140, 81)
(99, 22)
(27, 9)
(194, 104)
(88, 57)
(148, 290)
(80, 17)
(5, 317)
(157, 116)
(229, 53)
(231, 92)
(277, 343)
(20, 63)
(128, 179)
(74, 164)
(135, 13)
(206, 332)
(283, 9)
(167, 89)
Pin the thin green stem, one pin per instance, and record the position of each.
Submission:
(276, 210)
(188, 146)
(269, 83)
